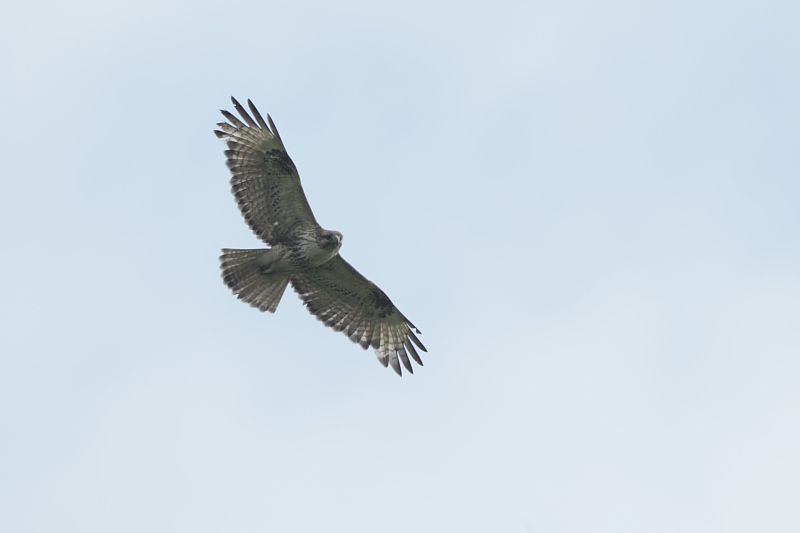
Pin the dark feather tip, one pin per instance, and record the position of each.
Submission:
(258, 116)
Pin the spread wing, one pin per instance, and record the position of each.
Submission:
(264, 179)
(346, 301)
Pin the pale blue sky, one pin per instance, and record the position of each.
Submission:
(590, 209)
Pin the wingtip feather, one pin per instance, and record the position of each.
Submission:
(410, 348)
(416, 341)
(243, 113)
(258, 116)
(274, 129)
(404, 358)
(396, 366)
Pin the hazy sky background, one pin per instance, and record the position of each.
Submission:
(590, 209)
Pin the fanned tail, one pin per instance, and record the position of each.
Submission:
(243, 273)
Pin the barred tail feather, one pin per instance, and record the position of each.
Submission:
(242, 273)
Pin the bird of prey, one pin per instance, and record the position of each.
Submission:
(267, 189)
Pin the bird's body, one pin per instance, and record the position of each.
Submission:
(267, 189)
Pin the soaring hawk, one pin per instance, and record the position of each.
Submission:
(267, 189)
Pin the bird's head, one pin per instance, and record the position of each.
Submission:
(330, 240)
